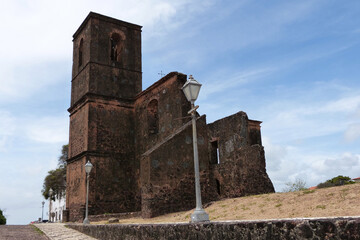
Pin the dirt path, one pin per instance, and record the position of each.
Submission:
(20, 232)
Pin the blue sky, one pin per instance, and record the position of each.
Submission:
(292, 64)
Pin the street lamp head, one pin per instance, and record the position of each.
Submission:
(88, 167)
(191, 89)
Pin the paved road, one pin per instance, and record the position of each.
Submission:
(58, 231)
(20, 232)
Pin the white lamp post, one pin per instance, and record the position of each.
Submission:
(50, 194)
(42, 211)
(191, 90)
(88, 167)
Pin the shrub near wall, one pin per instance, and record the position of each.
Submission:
(2, 218)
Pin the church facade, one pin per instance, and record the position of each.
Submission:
(140, 141)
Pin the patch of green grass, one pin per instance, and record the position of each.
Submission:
(321, 206)
(330, 194)
(278, 205)
(37, 230)
(245, 208)
(223, 205)
(307, 191)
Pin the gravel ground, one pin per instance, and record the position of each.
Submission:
(20, 232)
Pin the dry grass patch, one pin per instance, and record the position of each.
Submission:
(326, 202)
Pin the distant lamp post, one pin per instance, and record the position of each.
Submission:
(191, 90)
(50, 194)
(42, 211)
(88, 167)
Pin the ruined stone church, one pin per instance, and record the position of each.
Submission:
(140, 141)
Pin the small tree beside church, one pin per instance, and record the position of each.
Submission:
(2, 218)
(56, 179)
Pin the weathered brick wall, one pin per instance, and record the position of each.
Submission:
(115, 126)
(107, 216)
(79, 131)
(102, 127)
(121, 78)
(102, 28)
(75, 189)
(114, 82)
(167, 173)
(111, 128)
(113, 185)
(242, 169)
(172, 108)
(80, 85)
(231, 134)
(245, 174)
(331, 228)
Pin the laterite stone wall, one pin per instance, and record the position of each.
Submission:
(323, 228)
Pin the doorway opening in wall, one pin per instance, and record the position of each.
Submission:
(218, 187)
(215, 156)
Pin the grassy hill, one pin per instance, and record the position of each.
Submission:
(326, 202)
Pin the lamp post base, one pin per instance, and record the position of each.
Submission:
(199, 215)
(86, 221)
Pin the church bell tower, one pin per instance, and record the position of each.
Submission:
(106, 77)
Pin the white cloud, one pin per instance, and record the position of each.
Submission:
(275, 154)
(44, 28)
(343, 105)
(297, 119)
(268, 24)
(222, 80)
(352, 132)
(7, 128)
(346, 162)
(45, 129)
(48, 130)
(22, 80)
(314, 168)
(40, 34)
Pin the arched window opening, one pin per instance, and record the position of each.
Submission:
(152, 117)
(115, 41)
(81, 52)
(218, 187)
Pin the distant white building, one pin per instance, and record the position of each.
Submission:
(56, 208)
